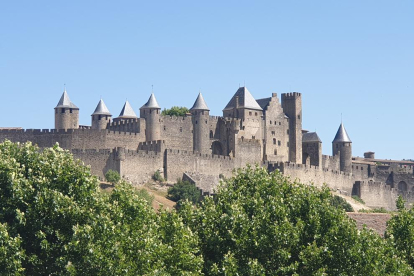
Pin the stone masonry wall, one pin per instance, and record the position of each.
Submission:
(177, 132)
(178, 161)
(74, 138)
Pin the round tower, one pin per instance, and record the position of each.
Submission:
(342, 145)
(200, 119)
(151, 111)
(101, 116)
(66, 113)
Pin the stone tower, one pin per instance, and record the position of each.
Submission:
(311, 149)
(151, 112)
(342, 145)
(66, 113)
(101, 116)
(292, 106)
(200, 119)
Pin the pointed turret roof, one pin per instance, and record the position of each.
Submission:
(245, 100)
(127, 111)
(65, 102)
(101, 109)
(342, 135)
(199, 104)
(151, 103)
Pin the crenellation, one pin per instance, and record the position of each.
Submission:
(264, 131)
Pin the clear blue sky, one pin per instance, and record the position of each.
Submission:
(349, 57)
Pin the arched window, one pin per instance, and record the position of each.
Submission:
(211, 134)
(274, 141)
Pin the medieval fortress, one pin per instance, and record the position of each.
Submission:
(201, 148)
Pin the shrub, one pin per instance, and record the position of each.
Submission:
(144, 194)
(358, 199)
(157, 176)
(184, 190)
(340, 202)
(112, 176)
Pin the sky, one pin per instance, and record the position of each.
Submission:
(353, 58)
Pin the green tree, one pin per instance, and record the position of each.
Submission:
(263, 224)
(175, 111)
(182, 191)
(112, 176)
(54, 221)
(341, 203)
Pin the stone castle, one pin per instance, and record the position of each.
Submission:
(201, 148)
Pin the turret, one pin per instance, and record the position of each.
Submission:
(342, 145)
(292, 106)
(151, 112)
(126, 113)
(66, 113)
(101, 116)
(200, 119)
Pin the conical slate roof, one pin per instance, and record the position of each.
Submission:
(152, 102)
(101, 109)
(341, 135)
(127, 111)
(65, 102)
(245, 100)
(199, 104)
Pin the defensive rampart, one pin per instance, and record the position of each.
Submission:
(178, 161)
(307, 174)
(74, 138)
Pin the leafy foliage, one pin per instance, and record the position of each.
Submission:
(112, 176)
(144, 194)
(182, 191)
(358, 199)
(54, 221)
(341, 203)
(157, 176)
(263, 224)
(175, 111)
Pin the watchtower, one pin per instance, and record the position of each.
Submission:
(292, 106)
(342, 145)
(66, 113)
(101, 116)
(200, 119)
(151, 112)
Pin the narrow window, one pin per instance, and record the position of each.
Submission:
(299, 117)
(250, 113)
(275, 152)
(270, 122)
(255, 114)
(211, 134)
(274, 141)
(63, 110)
(287, 131)
(164, 128)
(280, 143)
(196, 122)
(70, 110)
(181, 129)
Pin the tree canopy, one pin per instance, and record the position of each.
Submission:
(264, 224)
(54, 220)
(175, 111)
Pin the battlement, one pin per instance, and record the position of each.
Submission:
(291, 95)
(157, 145)
(93, 151)
(177, 118)
(196, 154)
(124, 122)
(248, 141)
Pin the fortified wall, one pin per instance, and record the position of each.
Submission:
(74, 138)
